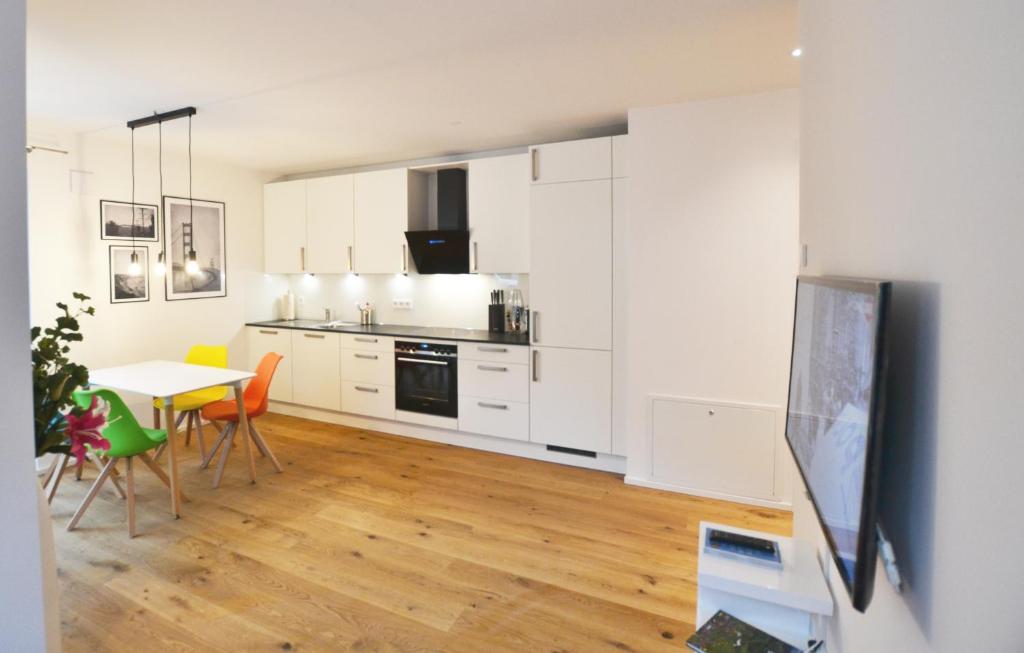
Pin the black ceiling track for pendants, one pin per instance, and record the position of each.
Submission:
(184, 112)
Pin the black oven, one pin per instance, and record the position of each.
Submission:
(426, 378)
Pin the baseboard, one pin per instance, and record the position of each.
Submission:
(709, 494)
(534, 450)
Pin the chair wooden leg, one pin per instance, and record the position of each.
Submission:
(159, 451)
(78, 472)
(156, 417)
(217, 444)
(114, 477)
(54, 464)
(199, 436)
(224, 455)
(93, 491)
(262, 445)
(130, 475)
(188, 427)
(61, 466)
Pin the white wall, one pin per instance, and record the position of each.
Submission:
(29, 618)
(444, 300)
(712, 250)
(912, 165)
(68, 255)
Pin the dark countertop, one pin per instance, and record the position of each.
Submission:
(402, 331)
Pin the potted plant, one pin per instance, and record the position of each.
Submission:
(61, 427)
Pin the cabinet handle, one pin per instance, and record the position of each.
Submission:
(534, 165)
(405, 260)
(268, 332)
(358, 339)
(476, 258)
(349, 258)
(496, 350)
(371, 357)
(363, 388)
(491, 368)
(421, 361)
(302, 258)
(536, 360)
(484, 404)
(313, 335)
(534, 331)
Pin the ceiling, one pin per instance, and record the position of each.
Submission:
(318, 84)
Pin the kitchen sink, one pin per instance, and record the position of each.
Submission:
(337, 324)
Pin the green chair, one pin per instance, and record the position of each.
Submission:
(128, 440)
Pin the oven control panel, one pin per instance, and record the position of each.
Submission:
(426, 349)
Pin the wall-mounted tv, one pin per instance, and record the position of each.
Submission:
(835, 416)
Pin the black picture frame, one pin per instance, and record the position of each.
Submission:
(117, 257)
(174, 251)
(105, 205)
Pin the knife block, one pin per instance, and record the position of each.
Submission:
(496, 318)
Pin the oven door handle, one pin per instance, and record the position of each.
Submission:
(420, 360)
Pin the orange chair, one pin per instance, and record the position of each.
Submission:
(256, 399)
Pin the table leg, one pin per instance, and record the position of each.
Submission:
(173, 457)
(243, 426)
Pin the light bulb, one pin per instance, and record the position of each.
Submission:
(796, 52)
(134, 269)
(192, 267)
(161, 267)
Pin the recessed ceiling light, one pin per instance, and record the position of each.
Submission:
(796, 52)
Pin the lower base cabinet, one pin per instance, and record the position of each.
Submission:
(495, 417)
(368, 399)
(262, 341)
(571, 398)
(316, 370)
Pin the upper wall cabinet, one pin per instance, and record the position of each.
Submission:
(386, 203)
(307, 225)
(571, 161)
(620, 156)
(499, 214)
(329, 224)
(284, 227)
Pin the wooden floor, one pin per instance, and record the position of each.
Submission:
(370, 542)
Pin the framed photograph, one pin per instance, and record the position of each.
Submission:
(125, 286)
(118, 221)
(195, 226)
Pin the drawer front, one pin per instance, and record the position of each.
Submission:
(367, 342)
(480, 351)
(376, 367)
(368, 399)
(504, 381)
(502, 419)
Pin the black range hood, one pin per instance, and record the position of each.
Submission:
(444, 250)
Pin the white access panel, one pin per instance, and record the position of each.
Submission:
(713, 446)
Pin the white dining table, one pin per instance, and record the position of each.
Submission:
(166, 379)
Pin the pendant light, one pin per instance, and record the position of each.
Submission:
(161, 266)
(134, 269)
(192, 265)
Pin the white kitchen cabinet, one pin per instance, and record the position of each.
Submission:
(571, 161)
(316, 369)
(329, 224)
(620, 156)
(376, 367)
(571, 264)
(261, 341)
(368, 399)
(284, 227)
(367, 342)
(494, 353)
(382, 216)
(494, 380)
(571, 398)
(495, 417)
(499, 214)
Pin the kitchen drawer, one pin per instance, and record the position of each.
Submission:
(481, 351)
(506, 381)
(502, 419)
(376, 367)
(367, 342)
(368, 399)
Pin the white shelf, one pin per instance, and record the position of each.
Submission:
(799, 584)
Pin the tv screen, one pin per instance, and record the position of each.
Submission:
(834, 420)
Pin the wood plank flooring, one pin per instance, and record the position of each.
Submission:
(372, 542)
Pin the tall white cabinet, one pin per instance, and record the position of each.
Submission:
(571, 226)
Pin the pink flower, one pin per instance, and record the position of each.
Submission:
(85, 429)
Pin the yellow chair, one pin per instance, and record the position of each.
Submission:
(189, 404)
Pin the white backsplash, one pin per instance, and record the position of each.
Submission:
(443, 300)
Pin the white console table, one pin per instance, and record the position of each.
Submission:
(789, 603)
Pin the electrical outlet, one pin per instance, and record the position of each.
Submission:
(402, 304)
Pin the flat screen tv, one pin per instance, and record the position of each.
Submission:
(835, 415)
